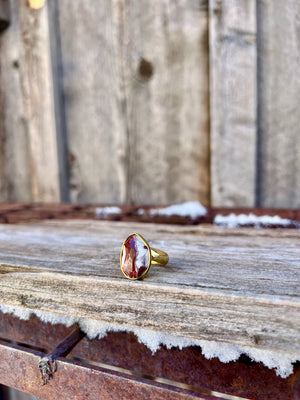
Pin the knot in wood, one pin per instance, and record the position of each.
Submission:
(145, 69)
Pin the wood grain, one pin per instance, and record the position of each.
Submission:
(136, 96)
(232, 27)
(27, 130)
(93, 98)
(168, 112)
(58, 99)
(279, 103)
(219, 285)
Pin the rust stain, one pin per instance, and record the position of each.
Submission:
(19, 369)
(187, 366)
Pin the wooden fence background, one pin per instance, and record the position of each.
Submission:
(162, 101)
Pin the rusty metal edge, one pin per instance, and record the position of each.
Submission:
(48, 364)
(27, 212)
(187, 366)
(75, 380)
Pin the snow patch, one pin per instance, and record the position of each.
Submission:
(192, 209)
(106, 211)
(233, 220)
(153, 340)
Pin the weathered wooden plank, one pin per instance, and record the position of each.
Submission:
(27, 130)
(279, 103)
(245, 288)
(168, 109)
(93, 97)
(137, 103)
(58, 99)
(233, 102)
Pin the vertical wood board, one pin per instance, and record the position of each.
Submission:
(279, 103)
(27, 130)
(126, 102)
(58, 99)
(233, 102)
(15, 181)
(94, 100)
(168, 111)
(136, 95)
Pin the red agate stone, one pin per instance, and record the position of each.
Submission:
(134, 257)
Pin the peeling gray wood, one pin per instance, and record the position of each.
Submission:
(279, 103)
(219, 285)
(233, 102)
(28, 156)
(136, 95)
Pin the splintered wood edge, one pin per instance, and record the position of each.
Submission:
(189, 313)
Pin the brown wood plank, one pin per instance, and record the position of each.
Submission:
(244, 286)
(232, 30)
(137, 102)
(28, 152)
(279, 103)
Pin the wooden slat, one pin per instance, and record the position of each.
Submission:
(232, 28)
(58, 99)
(94, 100)
(137, 100)
(279, 103)
(244, 287)
(168, 113)
(28, 154)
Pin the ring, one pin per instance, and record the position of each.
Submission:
(137, 256)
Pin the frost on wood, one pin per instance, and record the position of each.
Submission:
(283, 363)
(233, 220)
(106, 211)
(192, 209)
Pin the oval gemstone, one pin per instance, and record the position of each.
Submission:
(134, 257)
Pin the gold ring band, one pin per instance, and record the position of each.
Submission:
(158, 257)
(137, 256)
